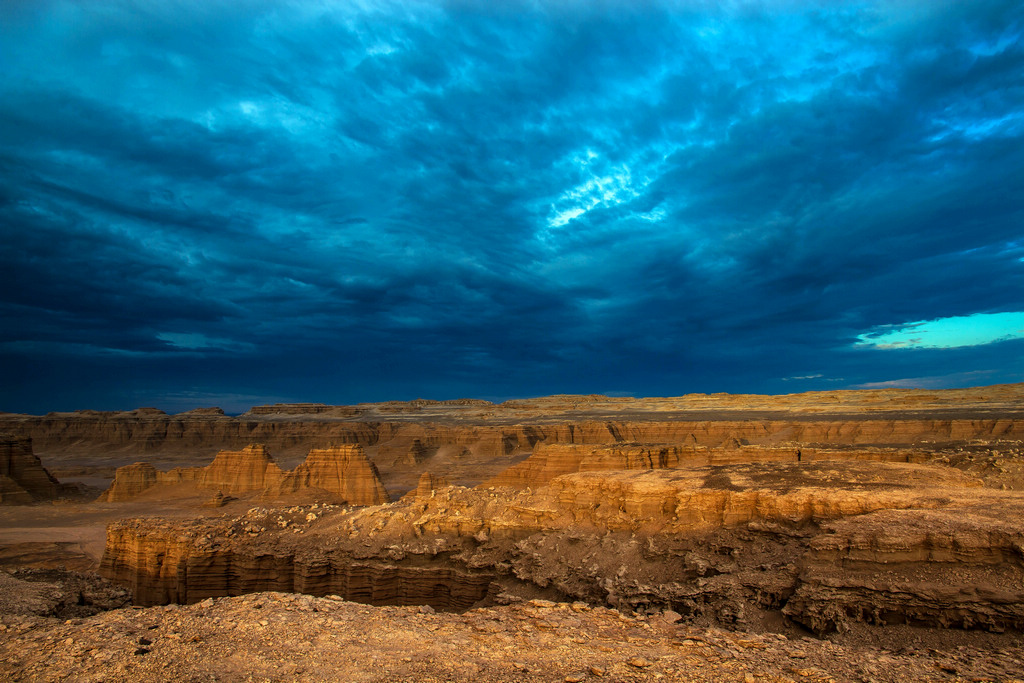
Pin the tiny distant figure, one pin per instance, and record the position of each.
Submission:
(798, 456)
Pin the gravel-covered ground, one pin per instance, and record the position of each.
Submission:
(288, 637)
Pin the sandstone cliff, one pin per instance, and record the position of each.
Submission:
(340, 474)
(409, 435)
(428, 484)
(132, 480)
(552, 460)
(244, 471)
(733, 543)
(343, 472)
(23, 479)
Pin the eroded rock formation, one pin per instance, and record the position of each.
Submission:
(23, 479)
(244, 471)
(428, 484)
(748, 512)
(406, 437)
(824, 543)
(132, 480)
(340, 474)
(342, 471)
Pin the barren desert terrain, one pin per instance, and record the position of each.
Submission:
(831, 536)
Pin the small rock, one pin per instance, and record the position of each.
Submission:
(574, 678)
(597, 670)
(639, 662)
(145, 641)
(142, 651)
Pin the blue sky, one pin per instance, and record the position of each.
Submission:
(233, 203)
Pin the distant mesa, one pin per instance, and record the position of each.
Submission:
(204, 411)
(340, 474)
(553, 460)
(305, 409)
(549, 461)
(148, 412)
(290, 409)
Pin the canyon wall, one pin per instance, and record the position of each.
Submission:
(825, 544)
(163, 566)
(550, 461)
(23, 479)
(141, 433)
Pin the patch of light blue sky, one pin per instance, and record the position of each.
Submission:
(947, 333)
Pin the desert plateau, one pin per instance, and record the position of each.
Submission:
(825, 536)
(528, 341)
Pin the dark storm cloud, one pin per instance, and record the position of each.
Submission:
(354, 202)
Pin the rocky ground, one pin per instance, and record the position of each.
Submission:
(288, 637)
(839, 536)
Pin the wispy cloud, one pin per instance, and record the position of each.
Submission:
(957, 379)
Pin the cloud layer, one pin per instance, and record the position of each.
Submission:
(367, 201)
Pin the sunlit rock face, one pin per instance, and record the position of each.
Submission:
(828, 544)
(132, 480)
(409, 434)
(740, 511)
(234, 472)
(339, 474)
(342, 471)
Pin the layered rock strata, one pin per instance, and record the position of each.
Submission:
(23, 479)
(244, 471)
(343, 471)
(552, 460)
(132, 480)
(472, 443)
(820, 543)
(165, 563)
(428, 484)
(339, 474)
(409, 435)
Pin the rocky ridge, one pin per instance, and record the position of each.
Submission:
(736, 545)
(475, 440)
(337, 474)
